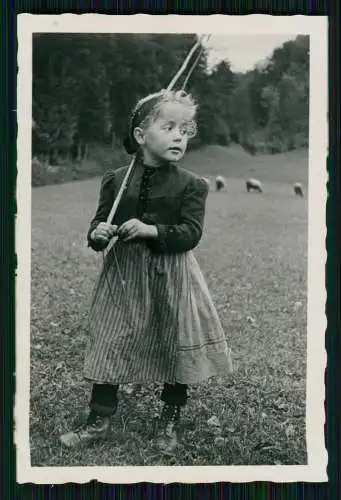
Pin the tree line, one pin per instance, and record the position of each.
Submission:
(84, 87)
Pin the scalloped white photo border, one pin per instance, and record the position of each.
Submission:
(255, 24)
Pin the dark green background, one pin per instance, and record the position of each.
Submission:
(257, 491)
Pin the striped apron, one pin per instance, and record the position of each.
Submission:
(161, 326)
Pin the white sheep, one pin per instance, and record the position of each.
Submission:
(219, 183)
(254, 185)
(208, 182)
(298, 189)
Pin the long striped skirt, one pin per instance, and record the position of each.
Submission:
(159, 326)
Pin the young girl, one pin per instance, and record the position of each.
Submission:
(152, 318)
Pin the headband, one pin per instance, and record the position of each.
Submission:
(140, 113)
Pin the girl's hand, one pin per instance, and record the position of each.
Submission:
(103, 232)
(134, 228)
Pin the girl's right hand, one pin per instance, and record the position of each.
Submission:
(103, 232)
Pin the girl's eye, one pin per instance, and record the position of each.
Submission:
(168, 127)
(188, 129)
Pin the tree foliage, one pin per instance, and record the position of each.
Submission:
(84, 87)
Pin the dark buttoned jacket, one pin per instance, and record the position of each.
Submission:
(169, 197)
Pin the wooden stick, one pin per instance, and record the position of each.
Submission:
(184, 64)
(197, 59)
(120, 193)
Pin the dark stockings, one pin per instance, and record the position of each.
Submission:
(104, 399)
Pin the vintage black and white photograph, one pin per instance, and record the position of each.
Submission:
(171, 210)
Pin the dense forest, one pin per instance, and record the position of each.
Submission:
(84, 87)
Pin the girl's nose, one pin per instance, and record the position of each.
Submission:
(177, 134)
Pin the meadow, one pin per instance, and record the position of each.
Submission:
(254, 257)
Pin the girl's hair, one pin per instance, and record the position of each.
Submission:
(148, 109)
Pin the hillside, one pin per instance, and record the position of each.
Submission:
(234, 162)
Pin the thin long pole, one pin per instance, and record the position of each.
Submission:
(123, 187)
(197, 59)
(185, 63)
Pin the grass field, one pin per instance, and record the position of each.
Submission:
(254, 257)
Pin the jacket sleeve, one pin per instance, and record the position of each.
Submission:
(186, 235)
(106, 200)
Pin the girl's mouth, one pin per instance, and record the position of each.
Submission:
(175, 150)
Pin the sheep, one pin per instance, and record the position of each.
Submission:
(208, 182)
(254, 185)
(219, 183)
(298, 189)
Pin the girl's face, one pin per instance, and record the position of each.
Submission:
(166, 137)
